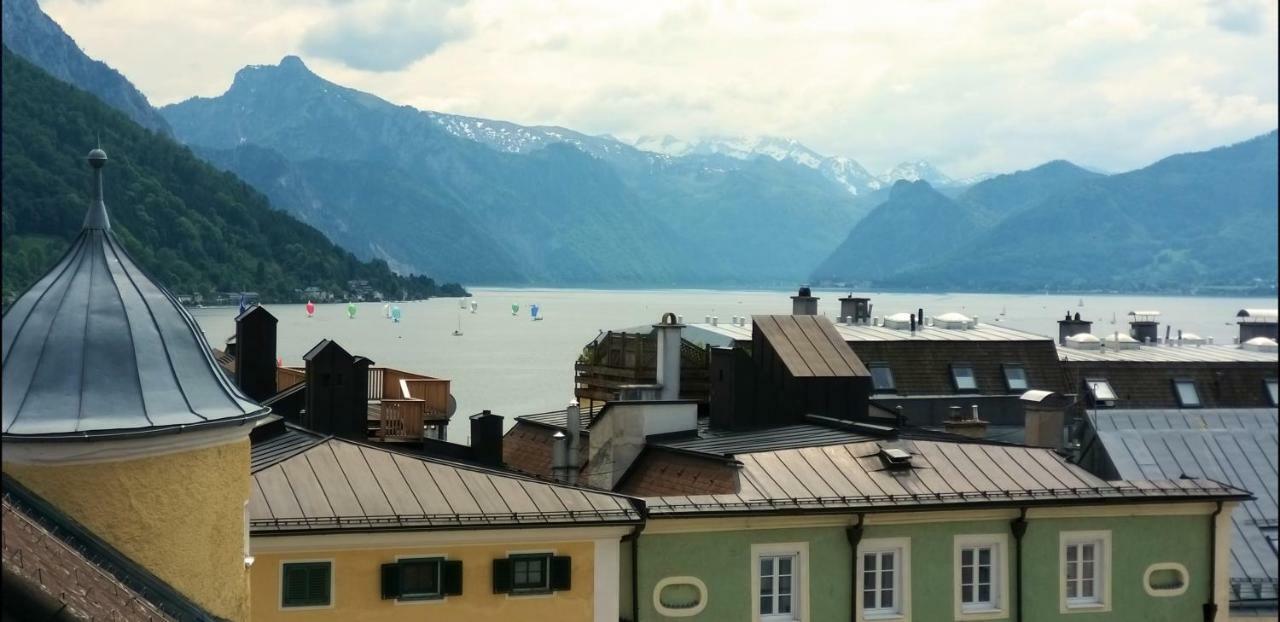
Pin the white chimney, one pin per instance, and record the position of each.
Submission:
(715, 320)
(622, 429)
(560, 467)
(668, 331)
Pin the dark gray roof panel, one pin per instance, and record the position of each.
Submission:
(1235, 446)
(97, 348)
(723, 443)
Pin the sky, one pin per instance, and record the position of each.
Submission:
(972, 86)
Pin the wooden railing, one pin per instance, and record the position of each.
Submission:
(402, 420)
(289, 376)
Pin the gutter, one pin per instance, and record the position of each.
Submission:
(854, 534)
(1210, 609)
(1019, 528)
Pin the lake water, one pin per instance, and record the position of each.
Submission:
(514, 366)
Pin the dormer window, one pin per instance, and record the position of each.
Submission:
(963, 378)
(1188, 396)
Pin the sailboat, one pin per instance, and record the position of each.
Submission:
(515, 308)
(1080, 303)
(533, 312)
(395, 314)
(311, 308)
(462, 303)
(458, 332)
(474, 305)
(386, 311)
(351, 310)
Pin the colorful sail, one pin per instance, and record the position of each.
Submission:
(395, 314)
(515, 308)
(533, 311)
(351, 310)
(311, 308)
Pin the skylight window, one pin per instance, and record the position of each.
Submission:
(963, 377)
(1188, 396)
(1015, 377)
(882, 377)
(1101, 390)
(1272, 390)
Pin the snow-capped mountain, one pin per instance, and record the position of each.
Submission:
(919, 170)
(842, 170)
(514, 138)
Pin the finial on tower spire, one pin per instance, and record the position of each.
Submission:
(97, 216)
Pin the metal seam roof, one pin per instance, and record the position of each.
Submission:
(96, 348)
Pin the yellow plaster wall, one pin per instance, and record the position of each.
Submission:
(357, 591)
(179, 515)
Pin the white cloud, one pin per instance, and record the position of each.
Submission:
(972, 85)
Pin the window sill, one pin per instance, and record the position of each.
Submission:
(1086, 608)
(973, 615)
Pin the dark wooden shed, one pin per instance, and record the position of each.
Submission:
(337, 391)
(256, 353)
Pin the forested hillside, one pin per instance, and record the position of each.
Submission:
(195, 228)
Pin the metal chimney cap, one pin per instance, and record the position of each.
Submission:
(97, 158)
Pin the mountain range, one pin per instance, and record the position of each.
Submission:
(196, 229)
(495, 202)
(1190, 222)
(31, 34)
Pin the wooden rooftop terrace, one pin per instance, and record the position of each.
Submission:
(403, 406)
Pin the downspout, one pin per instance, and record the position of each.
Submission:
(1019, 527)
(1210, 609)
(634, 537)
(854, 534)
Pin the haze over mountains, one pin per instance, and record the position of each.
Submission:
(494, 202)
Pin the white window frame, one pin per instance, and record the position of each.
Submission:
(1102, 571)
(999, 543)
(680, 613)
(799, 579)
(902, 577)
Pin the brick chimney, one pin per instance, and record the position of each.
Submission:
(1072, 326)
(965, 422)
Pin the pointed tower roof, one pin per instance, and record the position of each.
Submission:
(96, 349)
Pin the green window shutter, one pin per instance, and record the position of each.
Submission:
(561, 572)
(501, 576)
(390, 581)
(306, 584)
(451, 577)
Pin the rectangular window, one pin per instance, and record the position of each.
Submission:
(882, 377)
(1085, 559)
(962, 376)
(530, 573)
(777, 586)
(778, 581)
(306, 584)
(1015, 377)
(1188, 397)
(1101, 390)
(884, 573)
(1273, 387)
(980, 576)
(420, 579)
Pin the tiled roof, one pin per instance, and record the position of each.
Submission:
(809, 346)
(340, 484)
(1236, 446)
(1170, 354)
(70, 564)
(851, 476)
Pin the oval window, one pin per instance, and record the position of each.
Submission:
(1165, 579)
(678, 597)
